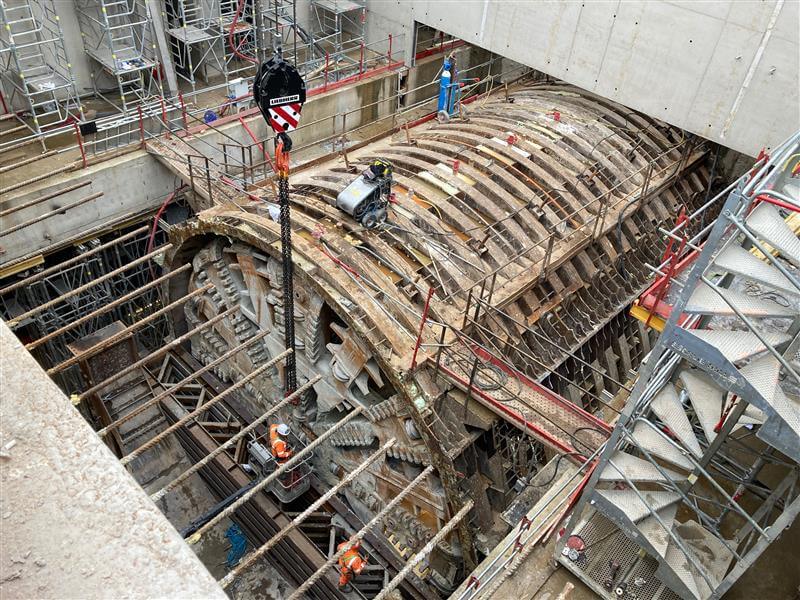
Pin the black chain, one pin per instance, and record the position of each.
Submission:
(288, 279)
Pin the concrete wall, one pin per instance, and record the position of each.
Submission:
(75, 523)
(131, 184)
(726, 70)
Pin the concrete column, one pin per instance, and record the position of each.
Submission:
(162, 46)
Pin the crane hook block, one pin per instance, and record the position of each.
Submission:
(280, 93)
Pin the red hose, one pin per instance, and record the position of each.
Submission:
(160, 212)
(235, 49)
(339, 262)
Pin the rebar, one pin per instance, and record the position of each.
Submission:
(44, 198)
(35, 311)
(139, 409)
(427, 549)
(229, 443)
(202, 408)
(127, 332)
(255, 555)
(47, 215)
(296, 459)
(158, 353)
(357, 537)
(105, 308)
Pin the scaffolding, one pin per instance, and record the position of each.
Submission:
(117, 36)
(213, 42)
(35, 70)
(676, 500)
(333, 17)
(276, 23)
(103, 283)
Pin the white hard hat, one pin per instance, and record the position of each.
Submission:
(283, 429)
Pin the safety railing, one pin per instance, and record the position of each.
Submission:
(351, 123)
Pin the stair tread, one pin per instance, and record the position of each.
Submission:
(706, 397)
(636, 470)
(631, 505)
(709, 551)
(679, 564)
(656, 535)
(763, 374)
(736, 259)
(650, 440)
(667, 406)
(707, 301)
(736, 346)
(767, 224)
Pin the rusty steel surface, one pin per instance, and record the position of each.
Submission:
(569, 179)
(541, 224)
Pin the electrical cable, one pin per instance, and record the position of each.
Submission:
(555, 470)
(151, 240)
(232, 30)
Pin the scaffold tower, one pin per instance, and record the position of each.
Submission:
(701, 473)
(117, 36)
(334, 16)
(234, 22)
(212, 42)
(36, 72)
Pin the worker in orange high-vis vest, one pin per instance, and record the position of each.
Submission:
(351, 563)
(278, 434)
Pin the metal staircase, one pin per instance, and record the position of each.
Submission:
(34, 66)
(700, 474)
(117, 35)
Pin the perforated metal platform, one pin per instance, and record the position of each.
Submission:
(520, 401)
(605, 544)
